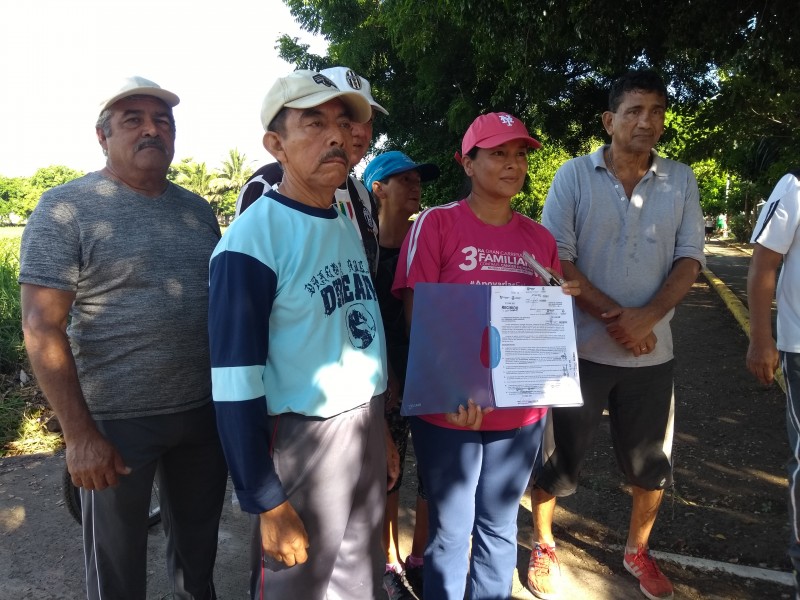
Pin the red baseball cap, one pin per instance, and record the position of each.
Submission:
(494, 129)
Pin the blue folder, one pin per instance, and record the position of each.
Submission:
(450, 349)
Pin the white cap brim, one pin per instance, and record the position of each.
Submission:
(166, 96)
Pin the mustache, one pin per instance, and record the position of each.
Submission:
(151, 142)
(335, 153)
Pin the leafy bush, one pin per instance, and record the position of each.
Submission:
(740, 228)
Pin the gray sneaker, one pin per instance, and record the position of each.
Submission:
(395, 587)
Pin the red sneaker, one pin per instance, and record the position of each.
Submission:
(544, 573)
(652, 582)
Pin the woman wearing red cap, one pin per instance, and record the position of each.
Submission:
(475, 464)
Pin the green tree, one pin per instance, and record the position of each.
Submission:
(713, 185)
(194, 176)
(228, 181)
(234, 172)
(543, 164)
(732, 67)
(49, 177)
(15, 199)
(19, 195)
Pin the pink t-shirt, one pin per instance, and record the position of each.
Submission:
(449, 244)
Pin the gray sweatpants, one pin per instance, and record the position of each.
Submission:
(334, 472)
(184, 451)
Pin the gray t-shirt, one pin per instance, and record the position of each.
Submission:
(625, 246)
(139, 269)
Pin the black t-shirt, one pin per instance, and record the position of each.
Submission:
(392, 314)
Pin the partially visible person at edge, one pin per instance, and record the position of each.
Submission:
(122, 256)
(475, 464)
(629, 227)
(776, 240)
(396, 183)
(351, 197)
(299, 360)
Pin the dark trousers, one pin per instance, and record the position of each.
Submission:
(184, 452)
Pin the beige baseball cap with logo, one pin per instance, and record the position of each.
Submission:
(346, 78)
(307, 89)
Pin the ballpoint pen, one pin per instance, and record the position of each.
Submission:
(548, 277)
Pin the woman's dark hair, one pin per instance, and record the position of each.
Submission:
(466, 184)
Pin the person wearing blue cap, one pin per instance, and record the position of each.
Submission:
(395, 182)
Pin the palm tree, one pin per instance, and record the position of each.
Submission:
(194, 177)
(228, 181)
(234, 172)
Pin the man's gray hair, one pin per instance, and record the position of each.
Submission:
(104, 122)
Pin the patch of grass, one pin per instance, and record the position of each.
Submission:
(22, 410)
(12, 407)
(32, 437)
(23, 413)
(11, 346)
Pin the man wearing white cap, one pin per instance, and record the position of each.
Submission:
(351, 197)
(122, 255)
(299, 359)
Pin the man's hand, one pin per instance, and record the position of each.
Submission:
(93, 462)
(392, 459)
(762, 275)
(762, 359)
(646, 346)
(471, 417)
(571, 287)
(631, 327)
(283, 535)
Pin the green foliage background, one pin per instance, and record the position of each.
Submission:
(732, 69)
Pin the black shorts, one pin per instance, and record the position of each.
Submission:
(641, 405)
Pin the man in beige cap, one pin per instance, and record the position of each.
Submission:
(299, 359)
(351, 197)
(121, 254)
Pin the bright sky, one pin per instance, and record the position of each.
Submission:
(60, 58)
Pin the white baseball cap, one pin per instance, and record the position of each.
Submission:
(307, 89)
(136, 85)
(345, 78)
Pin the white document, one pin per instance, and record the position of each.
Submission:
(533, 330)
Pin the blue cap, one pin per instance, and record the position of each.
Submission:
(391, 163)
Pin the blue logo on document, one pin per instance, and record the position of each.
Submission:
(490, 347)
(360, 326)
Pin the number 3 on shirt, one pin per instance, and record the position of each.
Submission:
(469, 263)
